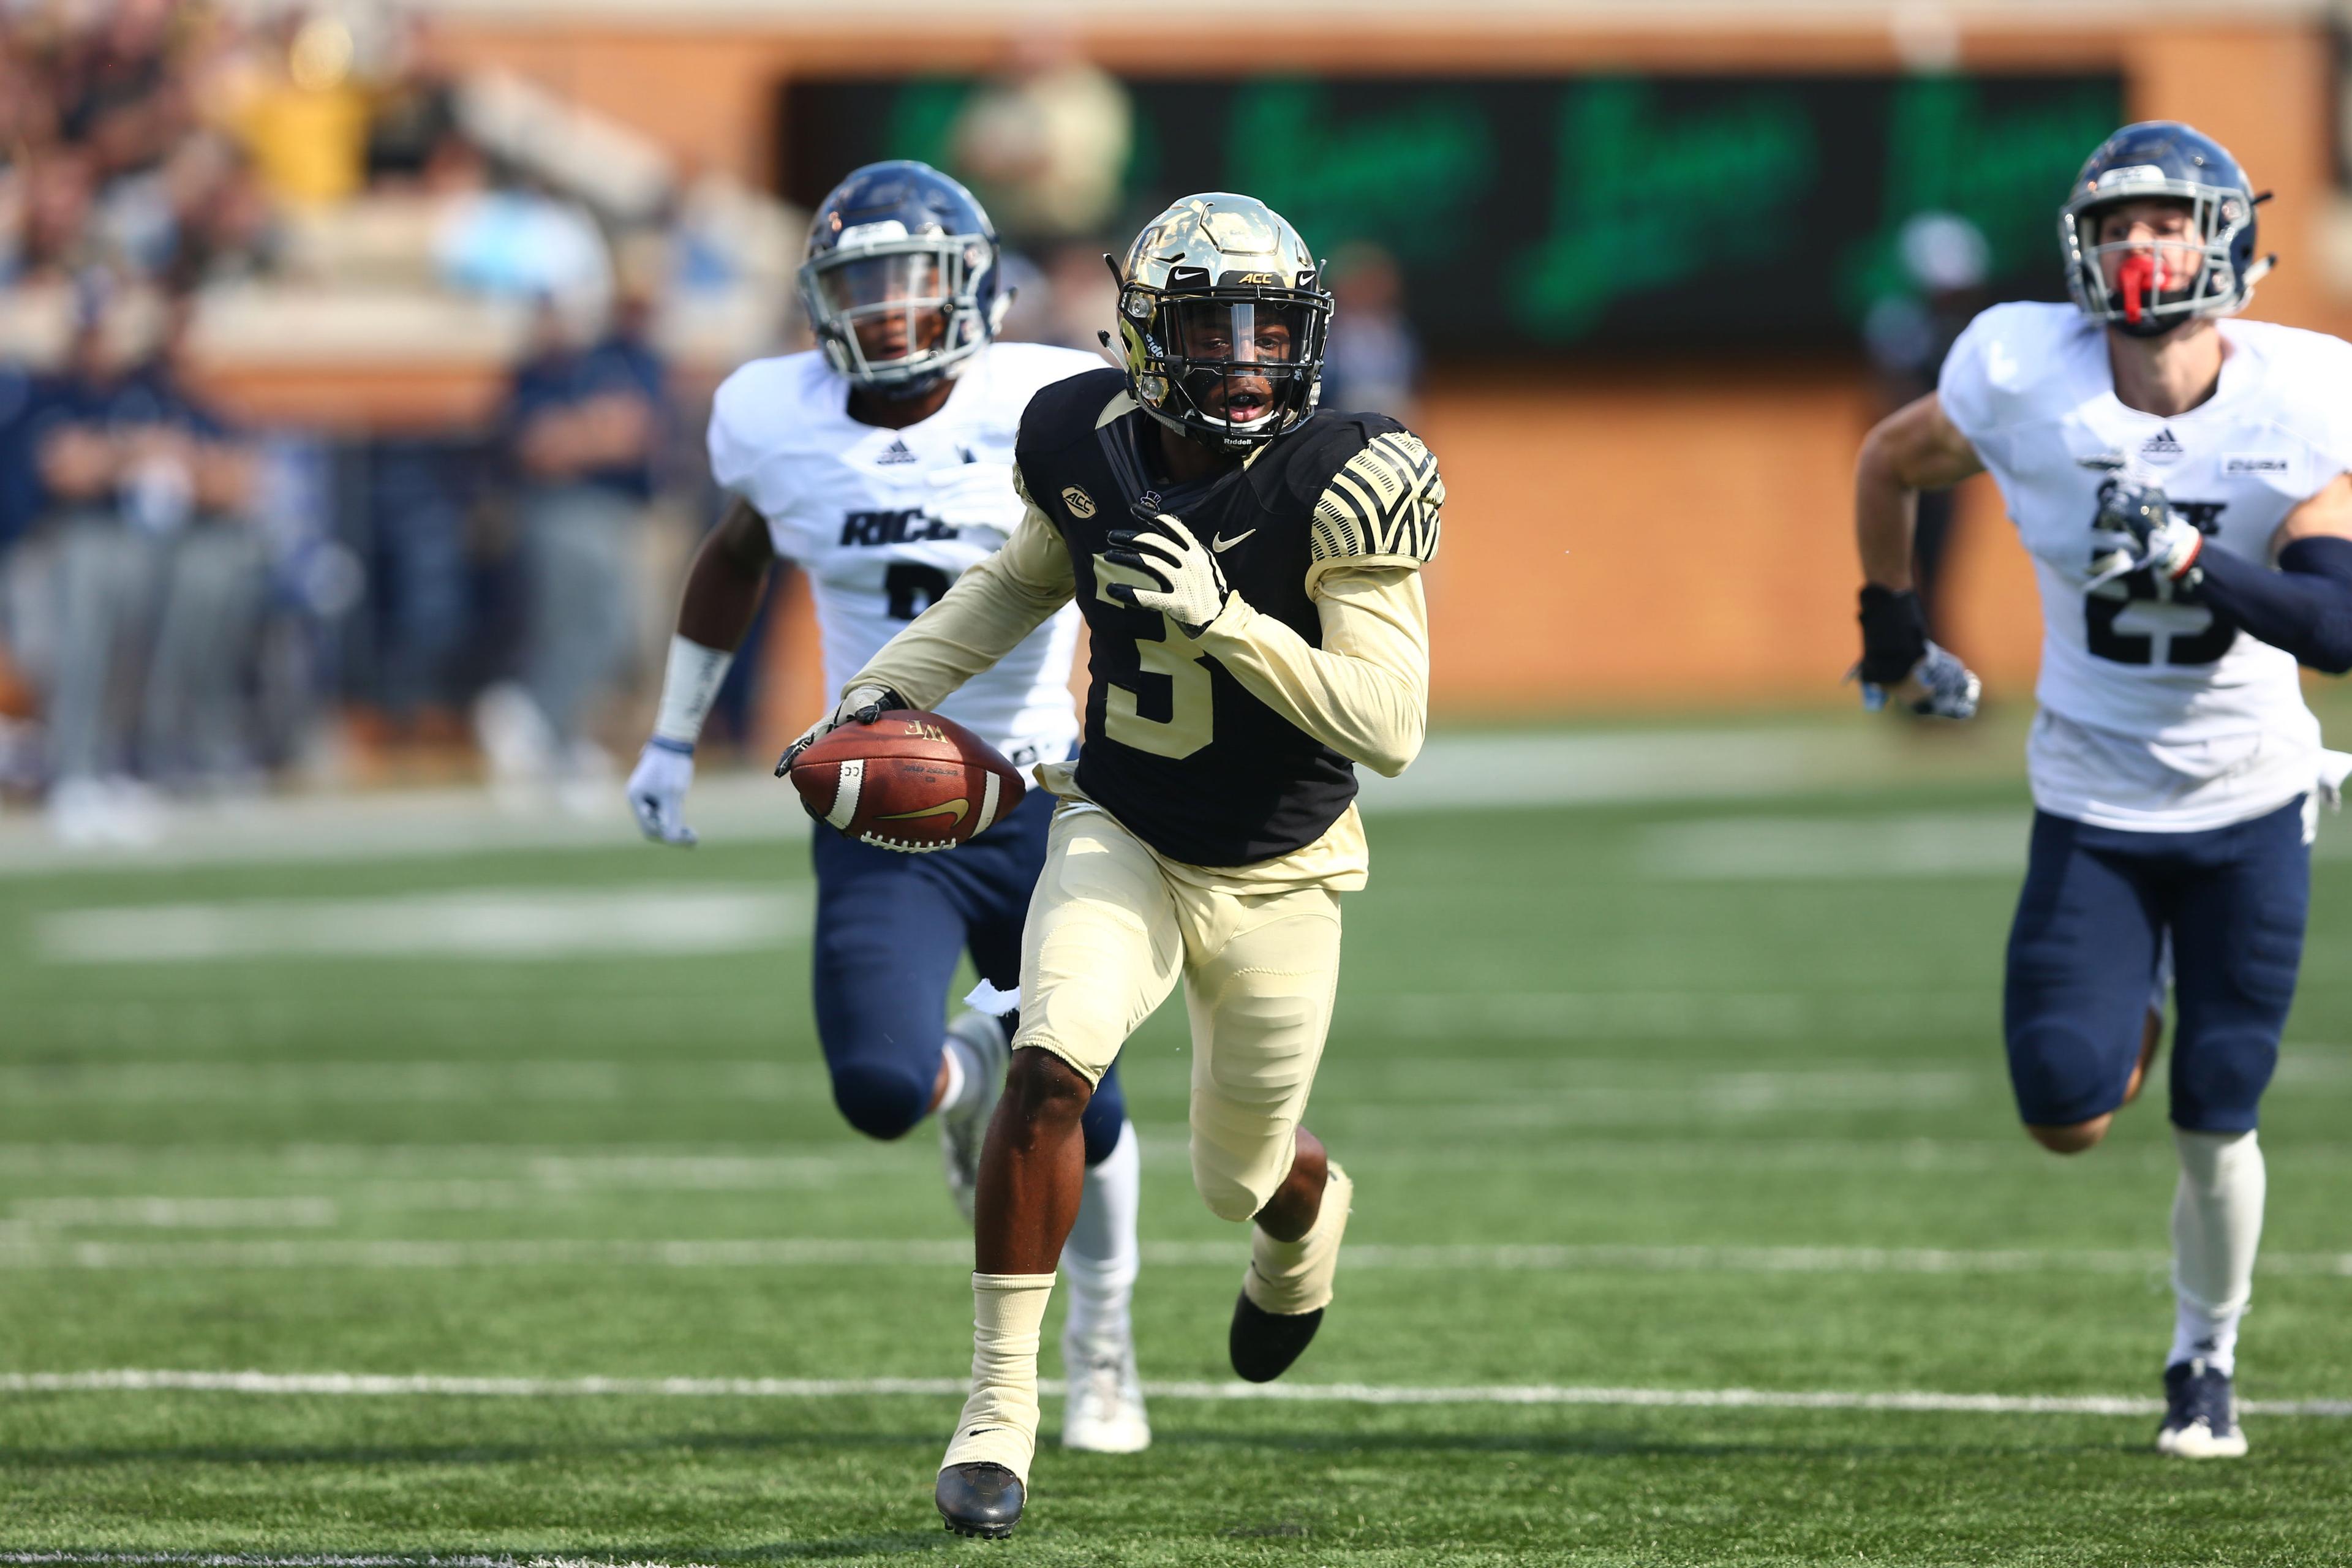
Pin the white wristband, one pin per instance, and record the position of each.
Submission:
(690, 685)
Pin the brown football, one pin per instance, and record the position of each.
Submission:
(910, 781)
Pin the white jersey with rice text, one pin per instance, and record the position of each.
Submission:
(846, 504)
(2155, 715)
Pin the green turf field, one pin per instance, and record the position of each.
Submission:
(1652, 1100)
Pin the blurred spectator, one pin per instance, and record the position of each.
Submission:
(1082, 297)
(1069, 301)
(1045, 145)
(303, 117)
(1944, 260)
(53, 239)
(1373, 361)
(416, 111)
(412, 542)
(121, 98)
(155, 581)
(727, 275)
(584, 427)
(201, 216)
(515, 243)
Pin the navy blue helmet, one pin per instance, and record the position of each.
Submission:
(901, 281)
(2155, 287)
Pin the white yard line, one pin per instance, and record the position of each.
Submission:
(332, 1560)
(377, 1384)
(489, 924)
(796, 1252)
(1456, 771)
(558, 1167)
(397, 1175)
(178, 1213)
(511, 1081)
(1983, 843)
(1459, 771)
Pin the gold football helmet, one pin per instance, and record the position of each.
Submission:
(1222, 319)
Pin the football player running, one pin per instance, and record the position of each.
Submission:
(880, 464)
(2181, 481)
(1249, 570)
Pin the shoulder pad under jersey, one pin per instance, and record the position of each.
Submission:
(1378, 495)
(1067, 412)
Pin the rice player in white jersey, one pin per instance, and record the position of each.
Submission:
(881, 464)
(2184, 485)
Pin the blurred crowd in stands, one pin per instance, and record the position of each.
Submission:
(351, 402)
(213, 566)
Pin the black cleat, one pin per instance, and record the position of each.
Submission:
(1262, 1344)
(979, 1499)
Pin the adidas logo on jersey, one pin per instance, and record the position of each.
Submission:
(2161, 448)
(896, 452)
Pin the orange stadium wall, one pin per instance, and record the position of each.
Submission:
(1615, 539)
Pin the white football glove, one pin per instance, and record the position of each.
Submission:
(975, 496)
(657, 788)
(1194, 590)
(863, 705)
(1948, 689)
(2167, 543)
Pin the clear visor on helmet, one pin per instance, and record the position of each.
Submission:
(870, 282)
(1241, 332)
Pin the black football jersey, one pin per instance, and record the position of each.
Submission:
(1175, 747)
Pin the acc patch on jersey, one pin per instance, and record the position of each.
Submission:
(1080, 503)
(1384, 504)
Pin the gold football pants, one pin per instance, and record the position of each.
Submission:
(1109, 933)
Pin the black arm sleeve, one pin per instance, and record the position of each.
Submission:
(2305, 607)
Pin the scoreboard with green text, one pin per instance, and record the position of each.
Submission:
(1608, 213)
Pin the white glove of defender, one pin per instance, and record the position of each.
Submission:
(2167, 542)
(657, 788)
(1195, 589)
(976, 495)
(863, 705)
(1938, 687)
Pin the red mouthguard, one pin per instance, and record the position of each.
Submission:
(2139, 275)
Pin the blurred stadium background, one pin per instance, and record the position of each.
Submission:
(399, 313)
(334, 338)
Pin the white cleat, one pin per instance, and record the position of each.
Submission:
(2200, 1416)
(1104, 1412)
(963, 1129)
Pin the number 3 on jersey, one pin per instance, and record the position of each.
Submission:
(1169, 679)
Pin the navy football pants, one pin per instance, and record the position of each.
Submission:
(2089, 935)
(889, 928)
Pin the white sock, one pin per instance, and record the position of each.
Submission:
(1101, 1257)
(963, 1071)
(2217, 1224)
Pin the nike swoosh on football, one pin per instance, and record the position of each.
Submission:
(1221, 543)
(960, 805)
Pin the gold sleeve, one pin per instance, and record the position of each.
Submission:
(1365, 692)
(979, 620)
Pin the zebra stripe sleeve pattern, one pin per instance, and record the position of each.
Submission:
(1380, 509)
